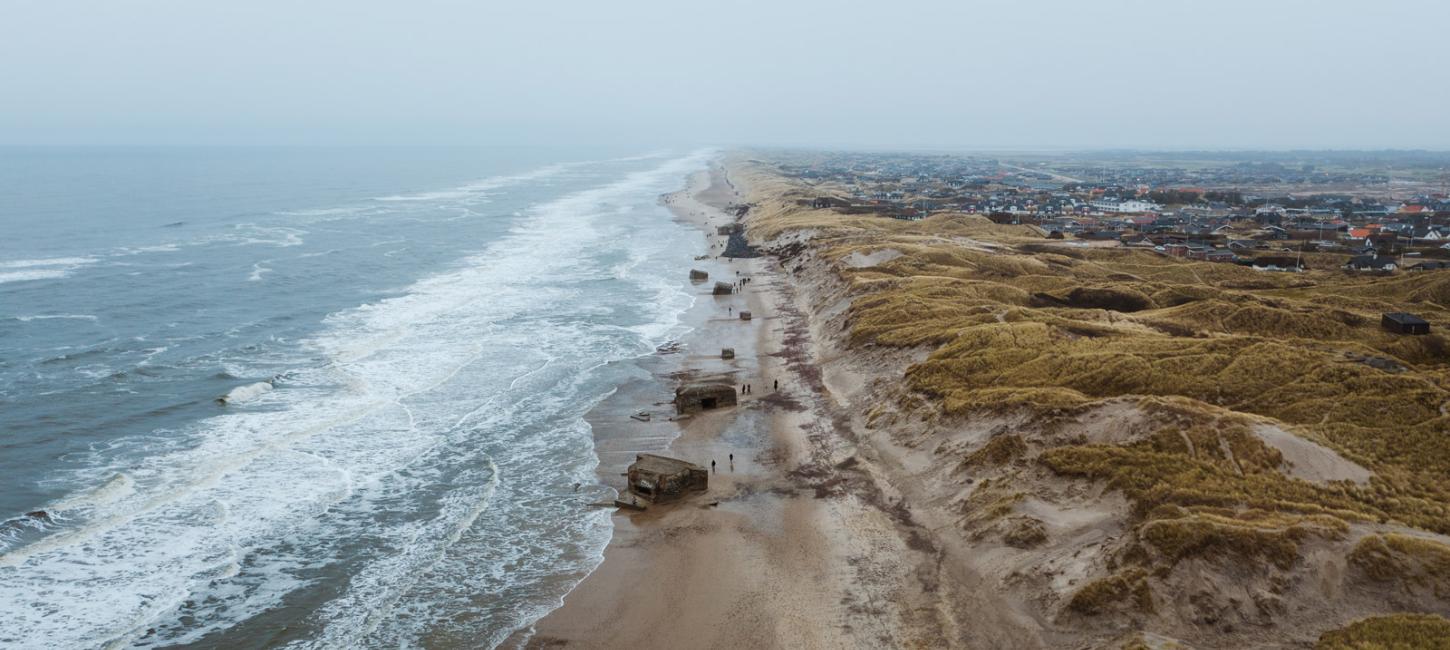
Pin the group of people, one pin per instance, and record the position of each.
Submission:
(732, 463)
(745, 388)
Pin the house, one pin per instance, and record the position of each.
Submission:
(1275, 232)
(1403, 323)
(661, 478)
(1431, 265)
(1211, 254)
(1277, 263)
(1371, 262)
(1124, 205)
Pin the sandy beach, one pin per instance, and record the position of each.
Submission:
(770, 556)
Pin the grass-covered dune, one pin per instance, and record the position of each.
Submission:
(1005, 320)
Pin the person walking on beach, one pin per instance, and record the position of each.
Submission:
(712, 467)
(777, 385)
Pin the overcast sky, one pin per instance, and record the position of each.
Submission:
(945, 74)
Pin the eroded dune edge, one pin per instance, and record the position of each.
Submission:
(988, 438)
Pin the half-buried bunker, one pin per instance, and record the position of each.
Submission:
(660, 478)
(692, 398)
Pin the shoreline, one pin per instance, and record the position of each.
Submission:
(794, 544)
(712, 323)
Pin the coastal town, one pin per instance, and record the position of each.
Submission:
(1275, 212)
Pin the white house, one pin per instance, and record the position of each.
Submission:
(1124, 205)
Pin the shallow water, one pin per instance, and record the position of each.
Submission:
(406, 341)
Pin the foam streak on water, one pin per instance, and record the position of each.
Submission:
(407, 482)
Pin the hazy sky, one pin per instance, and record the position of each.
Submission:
(890, 73)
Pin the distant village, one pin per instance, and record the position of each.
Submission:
(1279, 214)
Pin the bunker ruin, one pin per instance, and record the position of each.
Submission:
(660, 478)
(692, 398)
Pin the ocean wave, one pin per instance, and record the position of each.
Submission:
(41, 269)
(247, 393)
(119, 486)
(44, 317)
(384, 462)
(279, 236)
(319, 212)
(142, 250)
(51, 261)
(477, 191)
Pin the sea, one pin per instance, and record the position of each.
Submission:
(316, 398)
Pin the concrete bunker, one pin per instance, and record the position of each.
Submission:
(692, 398)
(661, 478)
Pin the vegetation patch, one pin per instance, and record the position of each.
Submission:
(1178, 539)
(1125, 591)
(1000, 450)
(1404, 559)
(1394, 632)
(1025, 532)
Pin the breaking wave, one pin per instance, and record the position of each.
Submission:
(412, 483)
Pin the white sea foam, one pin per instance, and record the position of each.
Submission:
(247, 393)
(47, 262)
(44, 317)
(478, 191)
(157, 248)
(430, 449)
(41, 269)
(119, 486)
(280, 236)
(320, 212)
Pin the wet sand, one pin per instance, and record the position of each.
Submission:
(771, 555)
